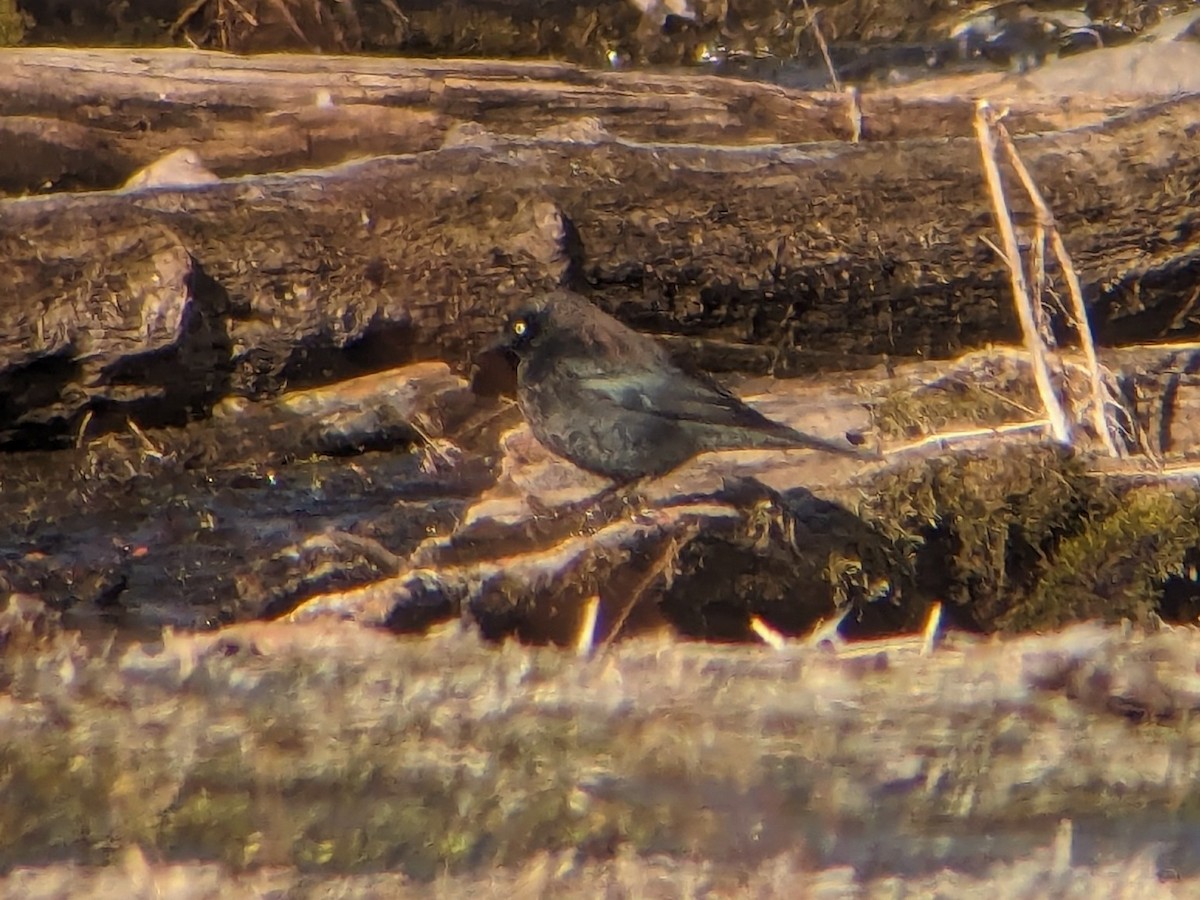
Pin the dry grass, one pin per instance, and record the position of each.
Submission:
(348, 752)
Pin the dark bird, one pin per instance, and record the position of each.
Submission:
(611, 400)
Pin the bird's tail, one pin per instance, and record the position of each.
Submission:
(790, 438)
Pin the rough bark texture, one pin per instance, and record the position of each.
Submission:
(161, 301)
(276, 281)
(136, 312)
(272, 113)
(309, 506)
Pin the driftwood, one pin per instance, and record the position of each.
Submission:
(198, 525)
(134, 313)
(989, 521)
(273, 113)
(157, 303)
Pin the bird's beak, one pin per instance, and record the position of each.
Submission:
(502, 344)
(495, 370)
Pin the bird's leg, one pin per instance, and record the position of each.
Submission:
(619, 499)
(592, 512)
(615, 500)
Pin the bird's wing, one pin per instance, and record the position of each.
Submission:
(681, 398)
(672, 395)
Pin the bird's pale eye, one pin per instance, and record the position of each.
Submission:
(520, 327)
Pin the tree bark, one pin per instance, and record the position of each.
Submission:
(136, 312)
(90, 118)
(162, 301)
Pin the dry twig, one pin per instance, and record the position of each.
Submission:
(1048, 226)
(812, 21)
(942, 438)
(290, 19)
(856, 114)
(933, 626)
(665, 560)
(183, 17)
(1037, 277)
(1059, 423)
(585, 640)
(774, 639)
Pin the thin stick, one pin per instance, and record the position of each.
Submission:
(371, 549)
(1059, 423)
(947, 437)
(149, 447)
(81, 432)
(933, 626)
(856, 115)
(666, 558)
(1099, 399)
(1082, 325)
(984, 239)
(191, 10)
(827, 630)
(1037, 275)
(1019, 407)
(812, 20)
(768, 635)
(290, 19)
(586, 639)
(250, 20)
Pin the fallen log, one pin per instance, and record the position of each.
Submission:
(418, 257)
(161, 303)
(399, 501)
(86, 119)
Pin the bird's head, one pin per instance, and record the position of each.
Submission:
(523, 330)
(497, 366)
(564, 325)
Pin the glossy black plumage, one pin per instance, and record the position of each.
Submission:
(611, 400)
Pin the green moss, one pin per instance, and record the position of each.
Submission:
(1031, 540)
(13, 23)
(1115, 566)
(66, 787)
(219, 824)
(982, 530)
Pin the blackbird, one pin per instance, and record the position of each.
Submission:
(611, 400)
